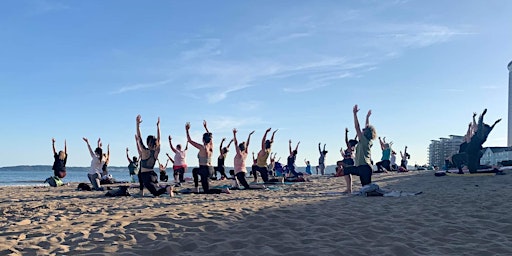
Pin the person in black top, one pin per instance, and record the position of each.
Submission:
(59, 164)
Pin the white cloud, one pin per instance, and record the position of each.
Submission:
(141, 86)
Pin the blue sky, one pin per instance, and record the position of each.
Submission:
(71, 69)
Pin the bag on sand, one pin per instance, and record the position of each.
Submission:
(54, 181)
(83, 187)
(121, 191)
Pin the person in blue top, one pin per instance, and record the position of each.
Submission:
(308, 167)
(385, 164)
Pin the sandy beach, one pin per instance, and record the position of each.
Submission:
(453, 216)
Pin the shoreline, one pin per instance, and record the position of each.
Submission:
(453, 216)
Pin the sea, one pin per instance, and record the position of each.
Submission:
(35, 175)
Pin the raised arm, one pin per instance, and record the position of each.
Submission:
(205, 126)
(322, 151)
(169, 158)
(273, 134)
(497, 121)
(319, 148)
(53, 146)
(290, 146)
(247, 144)
(220, 147)
(99, 143)
(229, 144)
(264, 139)
(158, 133)
(195, 144)
(297, 147)
(356, 122)
(186, 146)
(128, 156)
(236, 142)
(368, 118)
(346, 138)
(381, 143)
(138, 120)
(253, 158)
(66, 147)
(89, 147)
(170, 144)
(107, 161)
(138, 141)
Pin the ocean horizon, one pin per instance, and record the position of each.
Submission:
(35, 175)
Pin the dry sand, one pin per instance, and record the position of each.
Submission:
(453, 216)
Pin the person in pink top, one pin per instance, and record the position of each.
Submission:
(180, 164)
(242, 150)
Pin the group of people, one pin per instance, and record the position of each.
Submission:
(470, 150)
(356, 160)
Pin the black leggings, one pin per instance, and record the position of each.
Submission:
(384, 163)
(205, 172)
(363, 171)
(221, 170)
(180, 172)
(241, 178)
(150, 180)
(263, 171)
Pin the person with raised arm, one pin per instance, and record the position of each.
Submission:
(321, 159)
(385, 164)
(290, 161)
(363, 162)
(97, 162)
(223, 152)
(133, 167)
(308, 167)
(272, 164)
(163, 169)
(263, 154)
(205, 170)
(180, 163)
(403, 163)
(242, 150)
(149, 156)
(60, 159)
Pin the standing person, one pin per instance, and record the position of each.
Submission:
(149, 157)
(321, 160)
(220, 160)
(133, 167)
(204, 156)
(60, 159)
(180, 162)
(97, 163)
(363, 162)
(261, 160)
(386, 155)
(242, 150)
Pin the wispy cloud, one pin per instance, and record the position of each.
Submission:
(141, 86)
(207, 47)
(45, 6)
(418, 35)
